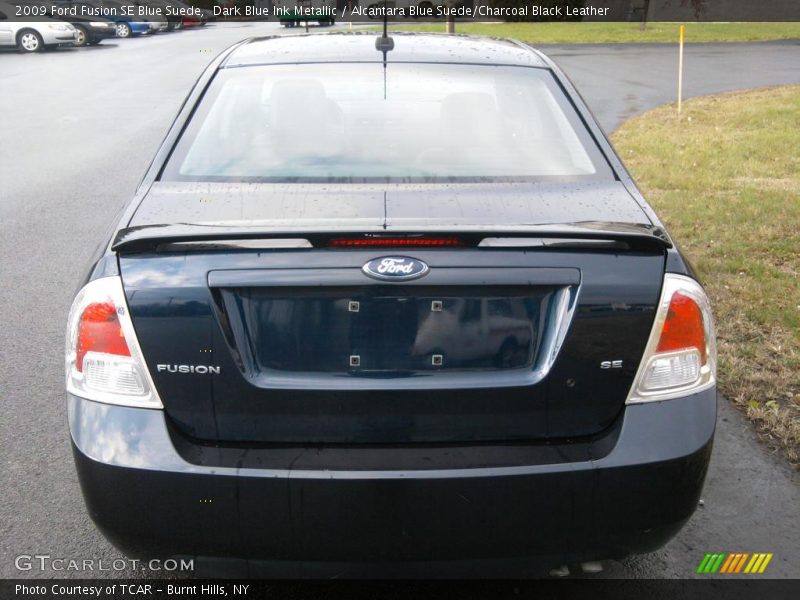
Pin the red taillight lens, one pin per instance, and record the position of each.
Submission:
(103, 360)
(683, 328)
(681, 354)
(99, 330)
(394, 242)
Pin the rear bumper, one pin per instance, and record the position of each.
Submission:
(628, 491)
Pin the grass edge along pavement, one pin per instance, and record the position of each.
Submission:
(615, 32)
(725, 178)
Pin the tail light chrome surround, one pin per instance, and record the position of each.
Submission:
(111, 378)
(676, 372)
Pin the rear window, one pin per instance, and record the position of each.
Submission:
(411, 122)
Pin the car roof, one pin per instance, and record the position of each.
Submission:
(360, 47)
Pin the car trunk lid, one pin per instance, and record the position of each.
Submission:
(300, 345)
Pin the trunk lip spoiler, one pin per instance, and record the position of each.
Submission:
(148, 237)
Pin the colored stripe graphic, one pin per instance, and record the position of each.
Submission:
(727, 564)
(741, 562)
(734, 562)
(718, 562)
(703, 563)
(765, 563)
(710, 563)
(737, 558)
(753, 563)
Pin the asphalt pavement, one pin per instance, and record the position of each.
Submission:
(78, 127)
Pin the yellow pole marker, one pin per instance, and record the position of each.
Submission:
(765, 563)
(680, 68)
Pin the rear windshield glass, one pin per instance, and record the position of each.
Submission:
(357, 122)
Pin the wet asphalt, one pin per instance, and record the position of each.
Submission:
(78, 127)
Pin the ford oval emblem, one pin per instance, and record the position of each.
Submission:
(395, 268)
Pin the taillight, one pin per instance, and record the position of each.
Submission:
(99, 330)
(681, 355)
(103, 359)
(683, 328)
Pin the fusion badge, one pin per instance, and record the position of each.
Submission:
(202, 369)
(395, 268)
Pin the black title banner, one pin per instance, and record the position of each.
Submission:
(415, 11)
(108, 589)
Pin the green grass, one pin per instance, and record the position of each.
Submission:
(725, 178)
(619, 33)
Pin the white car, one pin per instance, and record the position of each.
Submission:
(33, 36)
